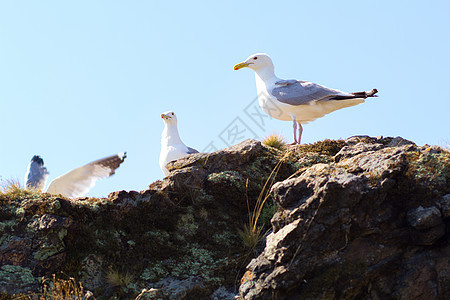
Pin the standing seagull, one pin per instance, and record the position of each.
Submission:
(75, 183)
(296, 100)
(172, 148)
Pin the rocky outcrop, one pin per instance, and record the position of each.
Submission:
(360, 218)
(178, 239)
(371, 225)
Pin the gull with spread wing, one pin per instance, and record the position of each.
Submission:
(75, 183)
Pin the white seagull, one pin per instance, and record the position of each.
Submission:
(295, 100)
(172, 148)
(75, 183)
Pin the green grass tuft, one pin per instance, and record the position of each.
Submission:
(251, 235)
(118, 279)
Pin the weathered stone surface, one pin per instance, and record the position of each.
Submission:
(353, 229)
(445, 206)
(91, 270)
(341, 230)
(424, 218)
(178, 238)
(350, 151)
(399, 141)
(223, 294)
(15, 279)
(174, 289)
(428, 236)
(427, 223)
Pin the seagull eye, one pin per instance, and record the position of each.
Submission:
(255, 58)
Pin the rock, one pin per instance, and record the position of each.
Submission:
(222, 294)
(429, 236)
(15, 279)
(91, 271)
(424, 218)
(179, 238)
(344, 225)
(445, 206)
(15, 250)
(399, 141)
(350, 151)
(173, 289)
(427, 223)
(89, 295)
(188, 288)
(47, 222)
(348, 225)
(353, 140)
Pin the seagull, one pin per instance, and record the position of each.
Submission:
(75, 183)
(296, 100)
(172, 148)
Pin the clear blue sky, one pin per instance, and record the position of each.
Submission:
(82, 80)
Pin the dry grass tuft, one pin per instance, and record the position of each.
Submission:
(252, 233)
(11, 190)
(10, 186)
(275, 140)
(57, 289)
(60, 289)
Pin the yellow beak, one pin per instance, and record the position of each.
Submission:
(164, 116)
(240, 66)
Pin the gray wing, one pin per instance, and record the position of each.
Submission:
(36, 175)
(296, 92)
(79, 181)
(286, 82)
(112, 162)
(191, 150)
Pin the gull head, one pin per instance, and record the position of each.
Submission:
(255, 62)
(37, 159)
(169, 117)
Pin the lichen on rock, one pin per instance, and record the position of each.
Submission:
(354, 229)
(358, 218)
(16, 279)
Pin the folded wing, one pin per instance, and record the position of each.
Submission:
(191, 150)
(304, 92)
(79, 181)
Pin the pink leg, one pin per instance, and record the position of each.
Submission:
(300, 131)
(294, 125)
